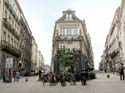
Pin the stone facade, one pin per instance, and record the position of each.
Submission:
(9, 33)
(26, 45)
(15, 38)
(34, 55)
(72, 42)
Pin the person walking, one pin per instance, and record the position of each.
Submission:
(84, 77)
(62, 78)
(72, 79)
(53, 79)
(14, 74)
(17, 76)
(45, 79)
(4, 76)
(40, 75)
(121, 71)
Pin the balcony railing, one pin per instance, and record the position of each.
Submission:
(10, 27)
(10, 49)
(67, 38)
(72, 52)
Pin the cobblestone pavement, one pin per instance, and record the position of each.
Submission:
(100, 85)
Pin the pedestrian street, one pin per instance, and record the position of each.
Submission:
(100, 85)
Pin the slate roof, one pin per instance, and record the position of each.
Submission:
(74, 18)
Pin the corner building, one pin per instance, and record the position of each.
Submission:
(71, 48)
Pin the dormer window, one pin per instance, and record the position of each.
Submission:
(68, 17)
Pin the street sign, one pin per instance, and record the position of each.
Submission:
(9, 62)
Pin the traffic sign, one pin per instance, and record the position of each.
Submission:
(9, 62)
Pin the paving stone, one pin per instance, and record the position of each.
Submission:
(100, 85)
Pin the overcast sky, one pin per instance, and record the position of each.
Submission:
(42, 14)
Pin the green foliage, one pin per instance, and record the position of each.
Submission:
(65, 60)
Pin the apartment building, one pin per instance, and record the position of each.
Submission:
(115, 42)
(15, 38)
(71, 48)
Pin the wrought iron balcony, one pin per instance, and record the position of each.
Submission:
(65, 52)
(10, 27)
(68, 38)
(77, 38)
(10, 49)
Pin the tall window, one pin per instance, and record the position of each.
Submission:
(65, 31)
(4, 36)
(76, 45)
(10, 19)
(5, 13)
(75, 31)
(62, 31)
(12, 41)
(72, 31)
(9, 38)
(69, 31)
(17, 45)
(61, 45)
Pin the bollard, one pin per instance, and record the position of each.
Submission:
(108, 76)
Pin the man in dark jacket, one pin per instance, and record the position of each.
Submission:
(84, 77)
(121, 71)
(40, 74)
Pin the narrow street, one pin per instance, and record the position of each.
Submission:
(100, 85)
